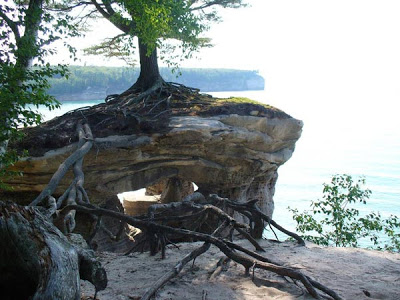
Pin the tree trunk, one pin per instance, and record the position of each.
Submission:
(27, 44)
(27, 50)
(149, 71)
(38, 262)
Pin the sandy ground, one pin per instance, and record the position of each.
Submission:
(352, 273)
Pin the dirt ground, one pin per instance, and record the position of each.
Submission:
(352, 273)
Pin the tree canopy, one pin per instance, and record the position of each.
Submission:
(172, 26)
(155, 22)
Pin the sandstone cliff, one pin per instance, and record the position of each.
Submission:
(229, 147)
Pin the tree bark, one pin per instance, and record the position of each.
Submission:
(27, 49)
(38, 262)
(149, 70)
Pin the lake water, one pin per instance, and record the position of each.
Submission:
(340, 136)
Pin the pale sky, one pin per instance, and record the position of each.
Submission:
(296, 36)
(335, 64)
(315, 48)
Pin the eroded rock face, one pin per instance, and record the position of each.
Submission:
(236, 156)
(171, 189)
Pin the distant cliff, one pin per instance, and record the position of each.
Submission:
(89, 83)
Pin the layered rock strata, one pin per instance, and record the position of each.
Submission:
(236, 156)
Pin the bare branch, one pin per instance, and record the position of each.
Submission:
(13, 25)
(223, 3)
(109, 13)
(67, 8)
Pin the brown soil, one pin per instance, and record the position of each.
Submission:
(150, 114)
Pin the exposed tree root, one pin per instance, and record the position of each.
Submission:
(175, 271)
(179, 266)
(253, 261)
(57, 261)
(188, 216)
(251, 209)
(162, 97)
(84, 145)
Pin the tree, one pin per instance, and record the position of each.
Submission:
(26, 30)
(332, 220)
(41, 235)
(177, 24)
(36, 256)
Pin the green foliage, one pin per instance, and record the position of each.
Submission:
(174, 26)
(156, 19)
(7, 159)
(334, 220)
(21, 93)
(240, 100)
(26, 31)
(120, 46)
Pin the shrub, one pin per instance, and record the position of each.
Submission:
(334, 220)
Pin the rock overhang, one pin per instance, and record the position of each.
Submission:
(236, 154)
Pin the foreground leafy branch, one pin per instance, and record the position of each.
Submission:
(334, 220)
(26, 27)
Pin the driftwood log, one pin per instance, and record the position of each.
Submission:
(40, 257)
(38, 262)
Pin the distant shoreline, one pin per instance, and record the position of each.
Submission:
(93, 83)
(75, 97)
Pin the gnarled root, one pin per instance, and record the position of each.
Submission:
(157, 100)
(246, 258)
(195, 211)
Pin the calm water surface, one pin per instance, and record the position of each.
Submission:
(341, 137)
